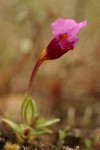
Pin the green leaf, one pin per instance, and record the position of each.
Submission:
(25, 127)
(35, 109)
(29, 110)
(47, 123)
(36, 132)
(13, 125)
(40, 122)
(88, 143)
(62, 134)
(24, 104)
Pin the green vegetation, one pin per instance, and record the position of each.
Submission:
(32, 125)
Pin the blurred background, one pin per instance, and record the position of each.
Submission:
(68, 85)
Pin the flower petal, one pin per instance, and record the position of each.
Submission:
(75, 29)
(69, 26)
(61, 26)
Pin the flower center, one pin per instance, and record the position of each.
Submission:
(63, 37)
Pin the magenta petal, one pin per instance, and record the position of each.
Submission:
(61, 26)
(69, 26)
(75, 29)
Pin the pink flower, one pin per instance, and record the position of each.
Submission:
(65, 31)
(65, 39)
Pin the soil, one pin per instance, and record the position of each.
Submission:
(71, 142)
(10, 137)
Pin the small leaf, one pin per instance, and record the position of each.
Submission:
(62, 134)
(40, 122)
(47, 130)
(24, 104)
(36, 132)
(88, 143)
(29, 112)
(25, 127)
(35, 109)
(48, 123)
(13, 125)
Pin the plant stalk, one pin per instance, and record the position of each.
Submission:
(39, 61)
